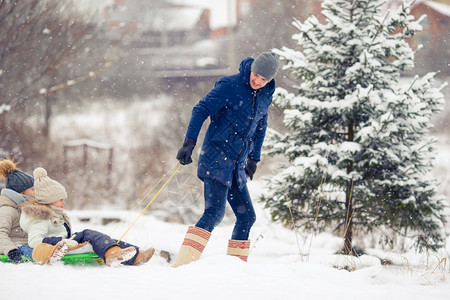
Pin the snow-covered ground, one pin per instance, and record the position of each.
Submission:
(283, 264)
(275, 269)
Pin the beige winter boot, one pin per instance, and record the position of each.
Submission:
(116, 255)
(48, 254)
(239, 248)
(144, 256)
(194, 242)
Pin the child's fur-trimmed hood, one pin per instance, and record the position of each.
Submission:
(36, 211)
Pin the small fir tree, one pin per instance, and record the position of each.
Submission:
(358, 146)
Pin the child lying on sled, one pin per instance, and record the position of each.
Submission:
(49, 229)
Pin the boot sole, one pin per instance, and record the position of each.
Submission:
(59, 252)
(123, 257)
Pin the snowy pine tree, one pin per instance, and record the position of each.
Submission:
(358, 145)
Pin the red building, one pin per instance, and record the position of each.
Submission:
(434, 37)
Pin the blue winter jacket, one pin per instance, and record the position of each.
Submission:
(238, 125)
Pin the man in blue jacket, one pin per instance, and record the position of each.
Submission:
(237, 107)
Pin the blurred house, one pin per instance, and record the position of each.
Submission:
(163, 40)
(434, 37)
(157, 24)
(435, 56)
(299, 9)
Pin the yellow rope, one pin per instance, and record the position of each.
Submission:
(142, 212)
(143, 198)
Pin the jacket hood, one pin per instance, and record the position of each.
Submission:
(14, 196)
(5, 201)
(244, 70)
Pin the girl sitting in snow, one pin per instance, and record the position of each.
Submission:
(49, 229)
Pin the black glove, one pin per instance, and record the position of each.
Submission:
(250, 168)
(15, 256)
(185, 153)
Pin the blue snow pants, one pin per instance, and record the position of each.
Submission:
(216, 196)
(26, 250)
(101, 243)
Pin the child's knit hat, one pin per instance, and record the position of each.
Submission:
(16, 179)
(47, 190)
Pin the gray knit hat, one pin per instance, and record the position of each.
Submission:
(16, 179)
(266, 64)
(47, 190)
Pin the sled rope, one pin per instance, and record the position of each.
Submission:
(154, 197)
(143, 198)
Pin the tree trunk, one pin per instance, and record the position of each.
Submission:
(47, 115)
(348, 248)
(348, 234)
